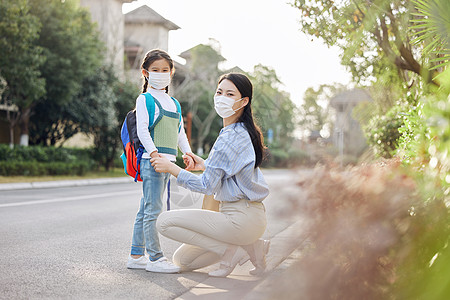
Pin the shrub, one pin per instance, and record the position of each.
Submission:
(373, 236)
(38, 160)
(382, 132)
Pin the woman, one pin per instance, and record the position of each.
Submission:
(232, 174)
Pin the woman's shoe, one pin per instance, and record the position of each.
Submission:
(240, 256)
(257, 252)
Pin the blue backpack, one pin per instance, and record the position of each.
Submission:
(132, 147)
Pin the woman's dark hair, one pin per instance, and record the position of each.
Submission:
(150, 57)
(245, 87)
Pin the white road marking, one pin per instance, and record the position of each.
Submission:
(68, 199)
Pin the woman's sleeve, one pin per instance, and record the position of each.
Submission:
(142, 122)
(216, 167)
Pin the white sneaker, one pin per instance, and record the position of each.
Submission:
(137, 263)
(162, 265)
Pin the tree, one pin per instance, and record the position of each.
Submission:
(314, 113)
(20, 62)
(110, 105)
(372, 34)
(272, 107)
(74, 52)
(197, 94)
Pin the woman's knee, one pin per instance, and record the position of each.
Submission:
(161, 222)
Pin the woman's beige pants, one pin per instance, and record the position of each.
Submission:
(206, 234)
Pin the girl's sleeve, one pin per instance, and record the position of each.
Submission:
(183, 142)
(142, 122)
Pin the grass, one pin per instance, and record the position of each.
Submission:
(117, 172)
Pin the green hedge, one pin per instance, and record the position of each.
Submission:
(41, 161)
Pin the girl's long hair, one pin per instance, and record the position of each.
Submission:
(245, 87)
(150, 57)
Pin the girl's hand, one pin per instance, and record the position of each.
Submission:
(188, 161)
(163, 165)
(199, 163)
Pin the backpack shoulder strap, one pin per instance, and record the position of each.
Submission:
(179, 110)
(150, 103)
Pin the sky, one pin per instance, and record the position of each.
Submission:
(252, 32)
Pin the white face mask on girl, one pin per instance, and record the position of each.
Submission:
(224, 106)
(158, 80)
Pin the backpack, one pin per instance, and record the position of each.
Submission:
(132, 147)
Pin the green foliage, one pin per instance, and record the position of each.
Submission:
(272, 108)
(71, 44)
(102, 107)
(38, 160)
(205, 60)
(74, 56)
(34, 168)
(20, 57)
(372, 34)
(196, 96)
(108, 144)
(431, 27)
(425, 140)
(314, 113)
(279, 157)
(398, 214)
(43, 154)
(382, 132)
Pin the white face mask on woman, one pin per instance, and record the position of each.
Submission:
(224, 106)
(159, 80)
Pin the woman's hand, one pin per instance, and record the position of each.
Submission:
(188, 161)
(199, 163)
(163, 165)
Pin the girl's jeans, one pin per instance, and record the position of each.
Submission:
(145, 235)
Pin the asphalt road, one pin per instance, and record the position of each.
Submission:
(73, 242)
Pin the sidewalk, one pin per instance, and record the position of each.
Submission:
(62, 183)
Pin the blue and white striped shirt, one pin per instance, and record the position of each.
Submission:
(230, 171)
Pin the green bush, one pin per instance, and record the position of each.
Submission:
(298, 157)
(382, 132)
(33, 168)
(278, 158)
(38, 160)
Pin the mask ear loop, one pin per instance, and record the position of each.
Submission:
(148, 75)
(239, 107)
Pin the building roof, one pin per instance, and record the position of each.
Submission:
(235, 69)
(350, 96)
(145, 14)
(187, 54)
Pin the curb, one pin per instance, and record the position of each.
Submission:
(62, 183)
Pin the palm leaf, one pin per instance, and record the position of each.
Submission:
(432, 26)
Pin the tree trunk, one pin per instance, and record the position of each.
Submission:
(13, 118)
(24, 122)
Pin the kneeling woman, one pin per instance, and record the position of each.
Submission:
(232, 174)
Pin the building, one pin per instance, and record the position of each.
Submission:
(110, 22)
(145, 29)
(347, 135)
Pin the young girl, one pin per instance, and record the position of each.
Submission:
(160, 140)
(232, 174)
